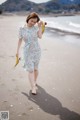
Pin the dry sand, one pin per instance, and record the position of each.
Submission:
(58, 95)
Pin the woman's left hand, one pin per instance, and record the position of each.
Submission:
(40, 23)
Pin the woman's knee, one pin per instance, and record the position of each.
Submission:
(35, 70)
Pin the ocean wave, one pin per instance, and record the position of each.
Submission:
(74, 24)
(67, 27)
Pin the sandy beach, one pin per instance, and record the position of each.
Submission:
(58, 95)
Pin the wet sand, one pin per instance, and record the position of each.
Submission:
(58, 95)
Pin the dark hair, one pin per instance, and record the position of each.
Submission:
(32, 15)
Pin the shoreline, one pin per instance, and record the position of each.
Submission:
(23, 13)
(64, 31)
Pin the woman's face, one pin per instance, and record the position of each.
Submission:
(32, 22)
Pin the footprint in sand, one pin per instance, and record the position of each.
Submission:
(23, 114)
(10, 90)
(45, 49)
(13, 80)
(2, 84)
(1, 56)
(5, 101)
(16, 89)
(30, 108)
(11, 56)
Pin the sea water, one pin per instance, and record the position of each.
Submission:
(64, 23)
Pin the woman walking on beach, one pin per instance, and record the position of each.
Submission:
(31, 51)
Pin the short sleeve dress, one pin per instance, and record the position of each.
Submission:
(31, 49)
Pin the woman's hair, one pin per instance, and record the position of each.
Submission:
(32, 15)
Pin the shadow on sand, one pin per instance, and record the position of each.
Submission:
(51, 105)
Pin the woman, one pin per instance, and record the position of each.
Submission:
(31, 51)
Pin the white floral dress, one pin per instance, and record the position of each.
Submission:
(31, 49)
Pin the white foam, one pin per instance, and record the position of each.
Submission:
(74, 24)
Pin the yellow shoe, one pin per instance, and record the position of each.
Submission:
(17, 60)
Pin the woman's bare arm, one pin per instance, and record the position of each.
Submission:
(19, 45)
(40, 29)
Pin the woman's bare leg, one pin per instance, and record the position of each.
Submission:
(32, 81)
(35, 76)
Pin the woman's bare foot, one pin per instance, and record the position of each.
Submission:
(34, 91)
